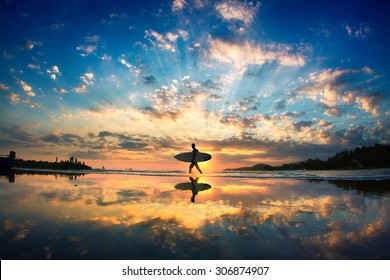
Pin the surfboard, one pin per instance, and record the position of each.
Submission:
(187, 157)
(188, 186)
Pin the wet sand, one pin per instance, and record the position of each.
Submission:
(117, 216)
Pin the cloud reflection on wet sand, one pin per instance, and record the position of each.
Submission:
(103, 216)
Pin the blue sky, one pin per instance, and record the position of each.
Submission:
(131, 83)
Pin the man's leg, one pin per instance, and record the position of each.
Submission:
(197, 167)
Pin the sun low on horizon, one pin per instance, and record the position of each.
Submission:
(129, 84)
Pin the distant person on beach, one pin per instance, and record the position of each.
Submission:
(193, 163)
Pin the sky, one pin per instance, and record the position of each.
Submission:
(129, 84)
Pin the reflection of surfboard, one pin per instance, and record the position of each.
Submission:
(187, 157)
(188, 186)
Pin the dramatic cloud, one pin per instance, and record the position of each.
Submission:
(333, 88)
(175, 100)
(244, 123)
(280, 105)
(19, 135)
(235, 10)
(299, 125)
(246, 53)
(370, 103)
(239, 77)
(115, 140)
(246, 104)
(149, 80)
(64, 139)
(211, 85)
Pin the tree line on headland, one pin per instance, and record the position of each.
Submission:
(377, 156)
(71, 164)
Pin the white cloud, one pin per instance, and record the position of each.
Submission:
(183, 34)
(27, 89)
(86, 49)
(246, 53)
(201, 3)
(178, 5)
(158, 39)
(360, 32)
(55, 69)
(124, 62)
(88, 78)
(92, 39)
(235, 10)
(14, 98)
(34, 66)
(60, 90)
(370, 104)
(342, 86)
(105, 57)
(348, 29)
(29, 45)
(3, 87)
(172, 37)
(80, 89)
(130, 66)
(90, 45)
(166, 42)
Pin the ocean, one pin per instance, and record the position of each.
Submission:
(108, 214)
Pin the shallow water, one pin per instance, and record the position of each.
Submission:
(139, 216)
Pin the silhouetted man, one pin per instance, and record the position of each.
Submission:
(193, 163)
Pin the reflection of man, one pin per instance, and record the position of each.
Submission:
(194, 190)
(193, 163)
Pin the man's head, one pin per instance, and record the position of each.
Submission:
(193, 145)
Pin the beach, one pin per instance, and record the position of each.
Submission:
(152, 215)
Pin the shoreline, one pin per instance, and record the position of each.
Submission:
(361, 174)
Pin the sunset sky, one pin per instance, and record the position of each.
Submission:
(129, 84)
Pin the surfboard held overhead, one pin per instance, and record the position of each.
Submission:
(187, 157)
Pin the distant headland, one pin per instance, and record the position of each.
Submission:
(377, 156)
(10, 161)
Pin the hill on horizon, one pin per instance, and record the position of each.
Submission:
(377, 156)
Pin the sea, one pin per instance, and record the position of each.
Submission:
(172, 215)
